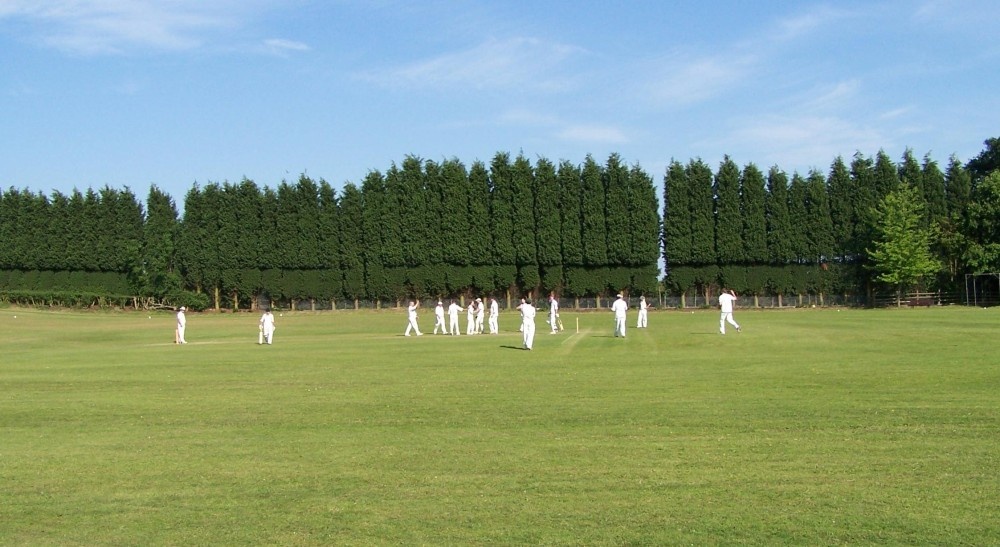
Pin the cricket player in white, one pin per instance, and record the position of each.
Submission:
(726, 300)
(453, 310)
(527, 323)
(439, 319)
(470, 318)
(266, 327)
(619, 307)
(643, 314)
(494, 316)
(181, 324)
(480, 313)
(411, 312)
(554, 313)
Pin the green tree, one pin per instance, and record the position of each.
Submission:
(592, 210)
(986, 162)
(352, 250)
(159, 246)
(548, 225)
(840, 192)
(728, 220)
(780, 238)
(753, 214)
(701, 210)
(644, 230)
(676, 218)
(934, 190)
(616, 213)
(455, 214)
(570, 214)
(502, 219)
(900, 253)
(982, 226)
(819, 226)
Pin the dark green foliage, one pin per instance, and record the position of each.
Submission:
(934, 190)
(676, 217)
(570, 214)
(819, 226)
(644, 221)
(616, 214)
(986, 162)
(429, 229)
(480, 235)
(958, 189)
(840, 192)
(728, 220)
(701, 211)
(523, 215)
(780, 248)
(798, 218)
(752, 211)
(547, 217)
(592, 211)
(502, 212)
(982, 225)
(454, 232)
(352, 254)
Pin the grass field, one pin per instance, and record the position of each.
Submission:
(812, 427)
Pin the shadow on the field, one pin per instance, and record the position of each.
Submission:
(512, 347)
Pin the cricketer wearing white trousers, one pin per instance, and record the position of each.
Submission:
(181, 325)
(266, 328)
(480, 314)
(643, 313)
(494, 316)
(619, 307)
(411, 312)
(527, 324)
(554, 314)
(439, 319)
(453, 327)
(470, 318)
(726, 300)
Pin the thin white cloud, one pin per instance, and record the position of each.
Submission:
(804, 24)
(593, 134)
(94, 27)
(528, 63)
(802, 142)
(682, 81)
(280, 46)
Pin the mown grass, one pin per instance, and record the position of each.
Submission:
(810, 427)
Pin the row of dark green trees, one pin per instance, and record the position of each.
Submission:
(430, 229)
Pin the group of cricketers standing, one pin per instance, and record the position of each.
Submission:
(477, 311)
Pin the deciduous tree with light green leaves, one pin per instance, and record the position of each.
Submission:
(901, 250)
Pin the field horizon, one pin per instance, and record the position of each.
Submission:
(812, 426)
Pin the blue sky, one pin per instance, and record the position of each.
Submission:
(178, 92)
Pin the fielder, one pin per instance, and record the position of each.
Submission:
(619, 307)
(554, 313)
(266, 330)
(453, 310)
(181, 325)
(494, 316)
(643, 313)
(439, 319)
(726, 300)
(411, 313)
(527, 323)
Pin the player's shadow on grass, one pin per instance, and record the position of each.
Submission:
(512, 347)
